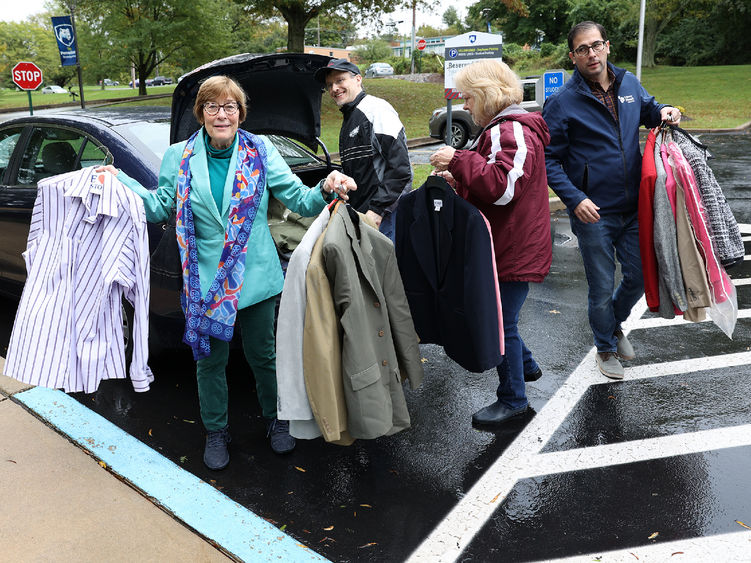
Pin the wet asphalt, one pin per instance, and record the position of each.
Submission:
(381, 500)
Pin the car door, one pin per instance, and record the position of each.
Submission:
(46, 150)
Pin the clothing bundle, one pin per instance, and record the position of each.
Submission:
(688, 235)
(345, 337)
(87, 248)
(447, 261)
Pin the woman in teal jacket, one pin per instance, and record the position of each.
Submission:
(219, 180)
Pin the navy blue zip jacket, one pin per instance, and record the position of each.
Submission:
(592, 156)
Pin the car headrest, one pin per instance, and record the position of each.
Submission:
(58, 158)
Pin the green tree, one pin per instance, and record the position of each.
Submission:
(523, 21)
(146, 33)
(32, 40)
(330, 31)
(454, 24)
(373, 50)
(298, 13)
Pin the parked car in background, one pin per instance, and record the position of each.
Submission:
(161, 80)
(149, 82)
(379, 69)
(463, 128)
(54, 89)
(108, 82)
(135, 139)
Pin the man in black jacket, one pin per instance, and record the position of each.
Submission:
(372, 144)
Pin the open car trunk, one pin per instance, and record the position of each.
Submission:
(284, 98)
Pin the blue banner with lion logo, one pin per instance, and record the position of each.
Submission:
(66, 40)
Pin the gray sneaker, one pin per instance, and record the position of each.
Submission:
(624, 349)
(609, 365)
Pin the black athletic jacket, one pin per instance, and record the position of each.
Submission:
(373, 149)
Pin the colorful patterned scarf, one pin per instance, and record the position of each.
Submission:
(214, 314)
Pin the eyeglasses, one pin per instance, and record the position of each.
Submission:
(583, 50)
(212, 108)
(337, 82)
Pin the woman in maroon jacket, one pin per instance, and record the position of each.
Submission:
(503, 175)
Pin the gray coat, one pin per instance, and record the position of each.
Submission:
(379, 342)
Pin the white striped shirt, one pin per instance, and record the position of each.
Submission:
(87, 247)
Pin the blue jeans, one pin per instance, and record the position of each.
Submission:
(597, 243)
(517, 359)
(388, 222)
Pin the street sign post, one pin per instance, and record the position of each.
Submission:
(27, 76)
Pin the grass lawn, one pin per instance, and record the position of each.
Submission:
(712, 96)
(13, 99)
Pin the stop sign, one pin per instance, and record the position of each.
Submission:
(27, 76)
(421, 44)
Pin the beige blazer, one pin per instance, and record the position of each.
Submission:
(379, 345)
(692, 264)
(322, 353)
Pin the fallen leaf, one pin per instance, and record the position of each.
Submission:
(284, 527)
(291, 493)
(328, 529)
(368, 545)
(12, 461)
(554, 312)
(354, 514)
(300, 469)
(495, 498)
(366, 506)
(103, 464)
(424, 360)
(306, 531)
(183, 459)
(189, 421)
(611, 396)
(150, 434)
(653, 536)
(212, 481)
(742, 524)
(327, 539)
(676, 553)
(634, 555)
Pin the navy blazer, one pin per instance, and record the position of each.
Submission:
(446, 262)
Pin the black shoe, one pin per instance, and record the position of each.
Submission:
(496, 414)
(279, 436)
(216, 454)
(533, 376)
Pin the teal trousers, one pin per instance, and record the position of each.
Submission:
(256, 324)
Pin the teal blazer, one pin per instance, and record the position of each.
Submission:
(263, 272)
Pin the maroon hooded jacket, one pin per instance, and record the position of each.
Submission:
(503, 175)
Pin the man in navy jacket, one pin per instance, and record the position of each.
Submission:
(593, 163)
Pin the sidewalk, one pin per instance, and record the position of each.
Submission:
(60, 504)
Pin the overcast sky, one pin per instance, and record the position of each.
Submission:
(19, 10)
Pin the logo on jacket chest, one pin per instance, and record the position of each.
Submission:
(626, 99)
(354, 132)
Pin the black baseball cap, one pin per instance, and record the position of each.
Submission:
(335, 64)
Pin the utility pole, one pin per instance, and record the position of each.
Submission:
(72, 8)
(640, 46)
(412, 51)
